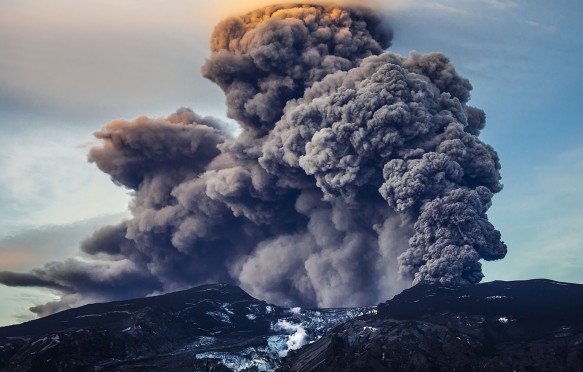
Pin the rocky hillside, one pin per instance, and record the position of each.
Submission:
(534, 325)
(212, 327)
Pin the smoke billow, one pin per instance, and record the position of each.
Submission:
(357, 173)
(267, 57)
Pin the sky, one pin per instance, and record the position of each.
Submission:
(67, 68)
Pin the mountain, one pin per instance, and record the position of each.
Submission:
(212, 327)
(534, 325)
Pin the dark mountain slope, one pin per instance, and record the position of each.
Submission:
(534, 325)
(204, 328)
(118, 315)
(103, 334)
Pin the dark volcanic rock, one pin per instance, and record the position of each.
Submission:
(110, 335)
(534, 325)
(200, 329)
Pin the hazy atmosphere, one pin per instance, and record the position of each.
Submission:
(235, 156)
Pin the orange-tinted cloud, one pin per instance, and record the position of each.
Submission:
(15, 259)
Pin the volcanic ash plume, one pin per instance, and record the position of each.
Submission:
(357, 172)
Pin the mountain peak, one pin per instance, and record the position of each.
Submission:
(171, 331)
(521, 325)
(493, 326)
(528, 300)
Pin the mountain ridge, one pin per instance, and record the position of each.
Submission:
(185, 330)
(500, 325)
(6, 331)
(518, 325)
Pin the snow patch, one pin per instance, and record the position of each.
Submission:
(89, 315)
(217, 315)
(203, 341)
(39, 341)
(275, 344)
(495, 297)
(558, 283)
(227, 308)
(296, 310)
(503, 320)
(296, 328)
(245, 359)
(111, 312)
(52, 342)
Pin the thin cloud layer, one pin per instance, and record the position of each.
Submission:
(357, 173)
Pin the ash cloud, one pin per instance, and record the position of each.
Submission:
(357, 173)
(265, 58)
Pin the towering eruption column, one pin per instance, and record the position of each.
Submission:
(357, 173)
(401, 126)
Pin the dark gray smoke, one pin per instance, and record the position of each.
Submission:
(356, 174)
(267, 57)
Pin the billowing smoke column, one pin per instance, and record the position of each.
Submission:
(356, 174)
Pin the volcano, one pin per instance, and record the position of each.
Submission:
(518, 325)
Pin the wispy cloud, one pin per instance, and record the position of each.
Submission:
(31, 247)
(456, 7)
(501, 4)
(46, 178)
(546, 27)
(16, 301)
(129, 49)
(441, 7)
(434, 5)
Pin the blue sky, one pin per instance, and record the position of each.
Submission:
(67, 68)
